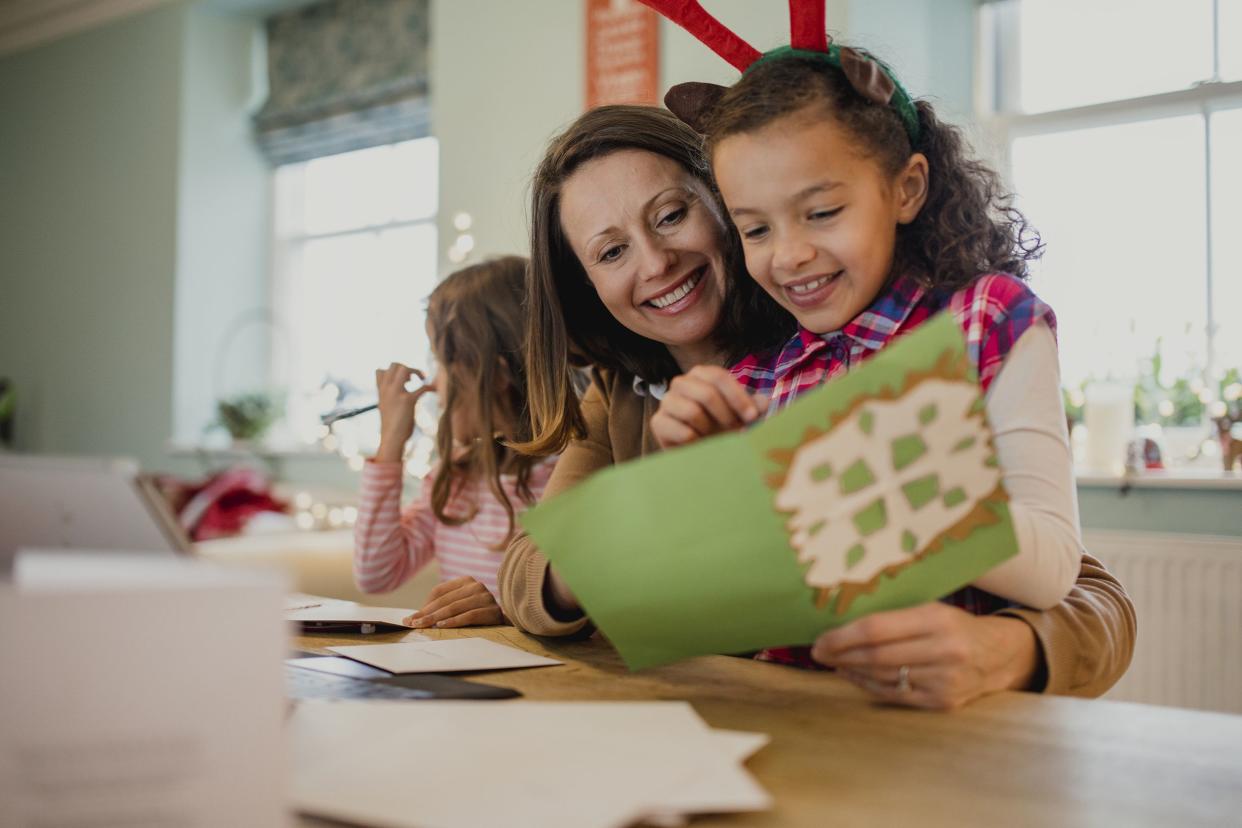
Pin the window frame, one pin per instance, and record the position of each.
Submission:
(287, 247)
(997, 79)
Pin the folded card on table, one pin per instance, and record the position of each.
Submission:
(333, 613)
(444, 656)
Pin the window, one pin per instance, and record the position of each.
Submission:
(354, 260)
(1121, 124)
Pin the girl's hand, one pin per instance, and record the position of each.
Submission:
(705, 400)
(950, 656)
(461, 602)
(396, 408)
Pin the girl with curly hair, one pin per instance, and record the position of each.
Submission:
(864, 215)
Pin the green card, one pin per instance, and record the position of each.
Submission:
(878, 491)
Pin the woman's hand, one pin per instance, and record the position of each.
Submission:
(705, 400)
(396, 408)
(949, 657)
(461, 602)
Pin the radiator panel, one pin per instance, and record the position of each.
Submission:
(1187, 592)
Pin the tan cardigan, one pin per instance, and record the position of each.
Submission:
(1086, 641)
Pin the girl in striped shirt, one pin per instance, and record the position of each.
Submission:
(466, 510)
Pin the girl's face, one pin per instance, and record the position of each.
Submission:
(651, 244)
(818, 218)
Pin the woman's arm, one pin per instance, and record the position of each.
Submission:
(528, 589)
(1081, 647)
(1087, 640)
(1028, 422)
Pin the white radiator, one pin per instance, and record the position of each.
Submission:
(1187, 592)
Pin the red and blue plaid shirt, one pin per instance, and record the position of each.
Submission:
(993, 311)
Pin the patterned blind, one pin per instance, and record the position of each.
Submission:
(345, 75)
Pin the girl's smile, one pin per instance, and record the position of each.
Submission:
(811, 291)
(818, 217)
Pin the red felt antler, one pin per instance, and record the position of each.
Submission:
(692, 17)
(806, 25)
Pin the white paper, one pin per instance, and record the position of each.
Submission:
(141, 692)
(302, 600)
(518, 764)
(444, 656)
(724, 787)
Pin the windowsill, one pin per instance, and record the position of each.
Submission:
(265, 452)
(1173, 479)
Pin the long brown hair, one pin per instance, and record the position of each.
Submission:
(968, 225)
(567, 318)
(477, 325)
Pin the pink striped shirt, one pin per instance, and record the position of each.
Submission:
(391, 544)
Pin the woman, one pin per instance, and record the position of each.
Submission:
(633, 269)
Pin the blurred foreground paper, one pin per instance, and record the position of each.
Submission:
(139, 691)
(879, 490)
(545, 764)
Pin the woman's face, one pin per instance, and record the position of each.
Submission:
(650, 241)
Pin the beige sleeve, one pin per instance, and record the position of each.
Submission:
(524, 569)
(1028, 421)
(1088, 639)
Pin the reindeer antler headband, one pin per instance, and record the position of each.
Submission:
(808, 39)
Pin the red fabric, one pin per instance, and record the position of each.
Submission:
(692, 17)
(223, 504)
(807, 26)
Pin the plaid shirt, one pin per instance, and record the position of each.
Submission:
(993, 312)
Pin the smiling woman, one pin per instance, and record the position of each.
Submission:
(653, 252)
(634, 271)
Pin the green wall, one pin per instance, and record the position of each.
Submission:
(88, 186)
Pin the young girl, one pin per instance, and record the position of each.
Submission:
(863, 215)
(465, 513)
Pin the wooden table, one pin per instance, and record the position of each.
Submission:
(837, 758)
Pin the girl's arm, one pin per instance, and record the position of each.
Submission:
(390, 545)
(525, 571)
(1028, 420)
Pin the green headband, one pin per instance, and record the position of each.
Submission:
(870, 77)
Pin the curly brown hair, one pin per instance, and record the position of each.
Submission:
(968, 225)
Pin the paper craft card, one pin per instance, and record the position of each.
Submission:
(878, 491)
(449, 655)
